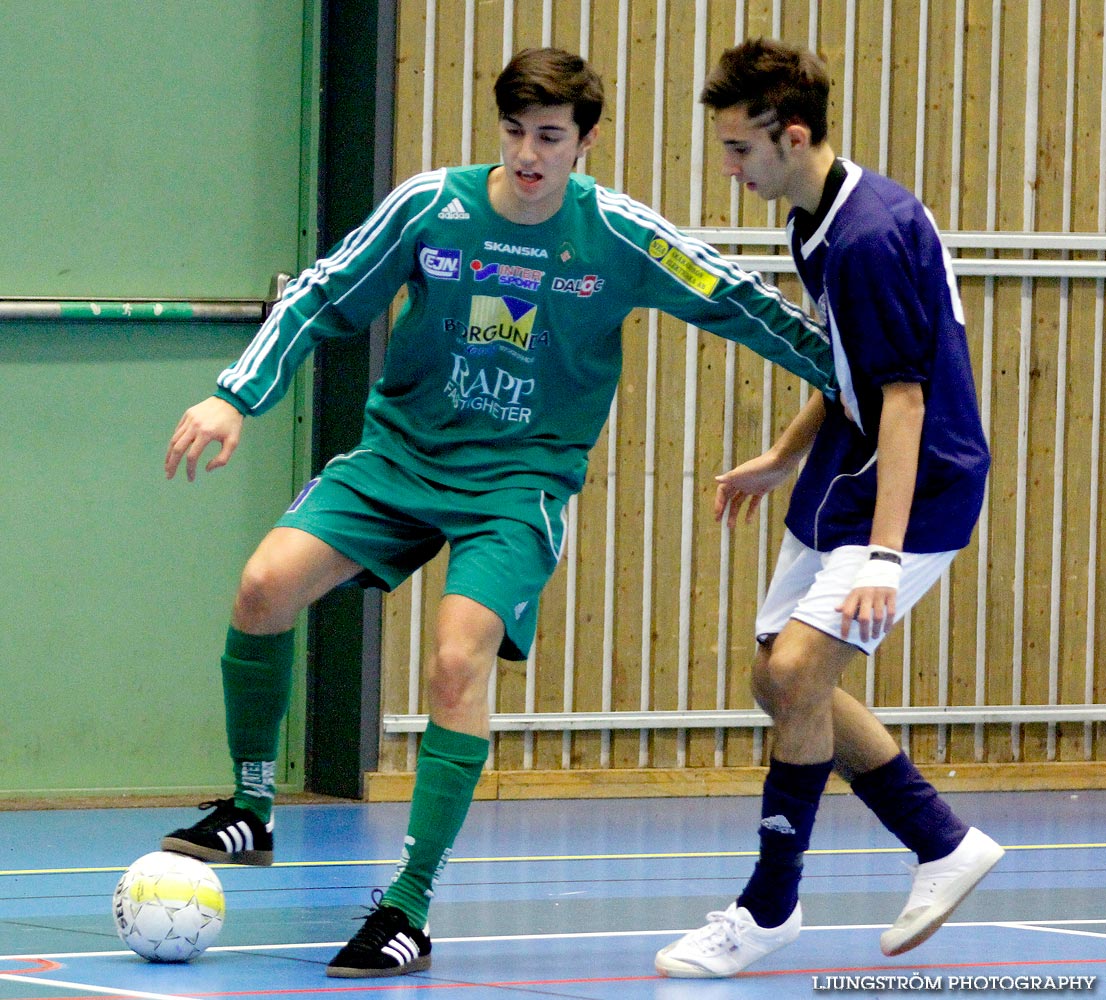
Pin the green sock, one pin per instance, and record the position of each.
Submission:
(257, 686)
(255, 786)
(448, 768)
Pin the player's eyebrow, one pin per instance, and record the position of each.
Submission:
(541, 128)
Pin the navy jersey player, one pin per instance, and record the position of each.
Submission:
(497, 380)
(891, 488)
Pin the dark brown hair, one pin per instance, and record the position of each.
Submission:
(549, 77)
(765, 75)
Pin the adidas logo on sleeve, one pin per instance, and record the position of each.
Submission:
(454, 210)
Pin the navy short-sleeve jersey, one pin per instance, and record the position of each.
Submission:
(872, 261)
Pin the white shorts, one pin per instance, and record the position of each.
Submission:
(809, 586)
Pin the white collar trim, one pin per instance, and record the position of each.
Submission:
(852, 178)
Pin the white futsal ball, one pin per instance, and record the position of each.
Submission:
(168, 907)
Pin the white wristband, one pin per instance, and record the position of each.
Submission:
(882, 568)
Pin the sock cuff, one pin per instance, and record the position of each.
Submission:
(897, 771)
(275, 649)
(452, 745)
(801, 781)
(257, 686)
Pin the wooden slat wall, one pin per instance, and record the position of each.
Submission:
(972, 641)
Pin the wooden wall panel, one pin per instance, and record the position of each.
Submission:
(992, 156)
(976, 192)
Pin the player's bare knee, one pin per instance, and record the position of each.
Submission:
(455, 679)
(785, 684)
(259, 605)
(761, 684)
(759, 680)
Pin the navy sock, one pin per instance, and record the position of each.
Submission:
(910, 808)
(788, 807)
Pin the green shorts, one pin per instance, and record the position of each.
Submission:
(503, 544)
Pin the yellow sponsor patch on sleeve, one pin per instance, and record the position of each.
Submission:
(682, 267)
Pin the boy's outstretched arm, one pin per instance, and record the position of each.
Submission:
(748, 484)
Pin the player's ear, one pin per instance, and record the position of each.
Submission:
(587, 141)
(796, 136)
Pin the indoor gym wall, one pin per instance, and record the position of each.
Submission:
(993, 113)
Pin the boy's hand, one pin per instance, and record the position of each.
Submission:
(212, 420)
(746, 486)
(871, 602)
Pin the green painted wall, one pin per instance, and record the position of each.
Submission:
(152, 149)
(118, 583)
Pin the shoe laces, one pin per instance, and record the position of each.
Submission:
(380, 923)
(922, 890)
(723, 929)
(218, 817)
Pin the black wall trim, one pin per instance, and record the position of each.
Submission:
(355, 173)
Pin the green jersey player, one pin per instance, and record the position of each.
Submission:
(497, 380)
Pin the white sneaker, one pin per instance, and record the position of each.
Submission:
(730, 941)
(939, 887)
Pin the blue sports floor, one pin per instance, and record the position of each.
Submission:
(563, 899)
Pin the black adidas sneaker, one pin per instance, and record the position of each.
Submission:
(230, 835)
(386, 945)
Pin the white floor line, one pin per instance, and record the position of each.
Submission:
(87, 987)
(1043, 928)
(1052, 926)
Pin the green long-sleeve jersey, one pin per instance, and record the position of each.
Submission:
(502, 364)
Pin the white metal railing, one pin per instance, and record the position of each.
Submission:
(942, 715)
(960, 239)
(514, 722)
(971, 265)
(1025, 257)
